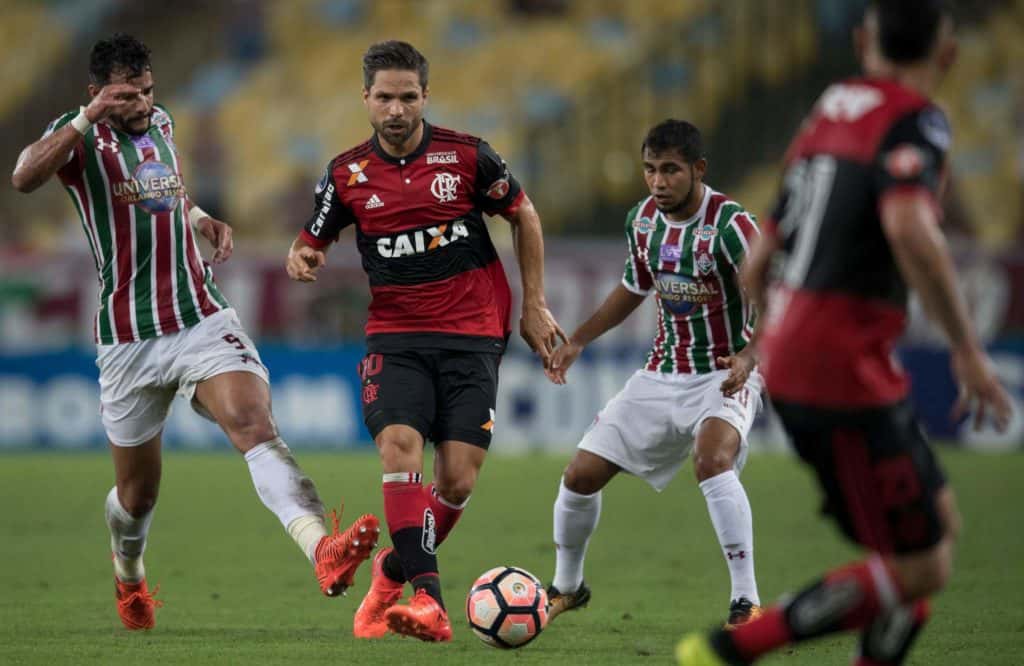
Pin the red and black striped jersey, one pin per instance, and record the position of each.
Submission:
(838, 304)
(435, 278)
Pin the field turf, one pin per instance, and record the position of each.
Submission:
(237, 591)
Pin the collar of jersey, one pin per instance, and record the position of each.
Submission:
(428, 132)
(696, 216)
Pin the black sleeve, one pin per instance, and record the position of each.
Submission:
(913, 153)
(330, 215)
(496, 188)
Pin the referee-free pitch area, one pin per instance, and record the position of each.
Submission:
(237, 591)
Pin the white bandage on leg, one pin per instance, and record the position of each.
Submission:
(127, 539)
(285, 489)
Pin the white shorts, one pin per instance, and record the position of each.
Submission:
(138, 380)
(648, 429)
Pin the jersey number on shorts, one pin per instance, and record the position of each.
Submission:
(370, 366)
(233, 340)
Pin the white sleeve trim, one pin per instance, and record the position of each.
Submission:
(635, 290)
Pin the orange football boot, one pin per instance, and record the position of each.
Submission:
(339, 555)
(136, 605)
(384, 593)
(423, 618)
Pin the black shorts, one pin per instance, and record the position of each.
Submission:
(880, 477)
(443, 394)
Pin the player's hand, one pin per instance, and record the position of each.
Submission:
(539, 329)
(740, 366)
(303, 262)
(112, 99)
(561, 359)
(220, 236)
(980, 390)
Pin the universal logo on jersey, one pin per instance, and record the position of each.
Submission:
(681, 293)
(421, 240)
(154, 187)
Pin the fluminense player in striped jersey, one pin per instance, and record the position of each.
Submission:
(699, 389)
(163, 327)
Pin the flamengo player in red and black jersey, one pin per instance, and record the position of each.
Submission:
(163, 327)
(856, 227)
(438, 321)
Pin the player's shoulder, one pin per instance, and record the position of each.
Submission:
(722, 208)
(60, 121)
(161, 116)
(447, 135)
(352, 160)
(640, 218)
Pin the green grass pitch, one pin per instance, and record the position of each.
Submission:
(237, 591)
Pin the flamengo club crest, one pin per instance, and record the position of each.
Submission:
(444, 187)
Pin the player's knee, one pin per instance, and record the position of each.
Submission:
(400, 449)
(580, 480)
(248, 424)
(711, 464)
(923, 574)
(455, 491)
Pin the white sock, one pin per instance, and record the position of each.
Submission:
(730, 514)
(127, 539)
(575, 520)
(286, 490)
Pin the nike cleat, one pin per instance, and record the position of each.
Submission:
(384, 593)
(136, 605)
(339, 555)
(696, 650)
(422, 618)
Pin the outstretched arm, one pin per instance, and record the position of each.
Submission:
(40, 160)
(911, 226)
(537, 325)
(619, 304)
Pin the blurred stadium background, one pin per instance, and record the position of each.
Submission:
(266, 92)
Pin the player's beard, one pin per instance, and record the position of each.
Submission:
(397, 140)
(124, 126)
(683, 203)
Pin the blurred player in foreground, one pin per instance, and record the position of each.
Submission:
(438, 321)
(163, 326)
(699, 388)
(856, 226)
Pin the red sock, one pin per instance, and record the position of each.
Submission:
(445, 513)
(411, 523)
(848, 598)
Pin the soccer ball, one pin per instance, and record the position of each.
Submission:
(507, 607)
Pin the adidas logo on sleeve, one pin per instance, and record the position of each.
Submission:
(374, 202)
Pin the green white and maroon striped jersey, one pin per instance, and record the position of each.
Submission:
(130, 196)
(693, 267)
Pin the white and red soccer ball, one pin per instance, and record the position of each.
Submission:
(507, 607)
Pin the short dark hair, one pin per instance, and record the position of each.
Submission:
(907, 29)
(675, 134)
(119, 53)
(394, 54)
